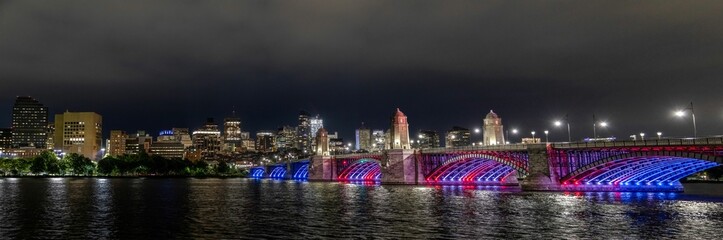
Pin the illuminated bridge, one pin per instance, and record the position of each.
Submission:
(650, 165)
(293, 170)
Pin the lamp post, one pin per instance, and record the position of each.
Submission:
(507, 133)
(559, 123)
(681, 113)
(533, 136)
(642, 136)
(659, 134)
(547, 140)
(594, 127)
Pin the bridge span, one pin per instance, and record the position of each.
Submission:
(650, 165)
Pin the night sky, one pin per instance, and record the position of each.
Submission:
(159, 64)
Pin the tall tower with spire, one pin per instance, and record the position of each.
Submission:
(399, 132)
(493, 129)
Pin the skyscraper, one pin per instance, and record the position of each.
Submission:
(29, 123)
(117, 144)
(457, 137)
(265, 141)
(6, 138)
(493, 129)
(363, 138)
(207, 139)
(316, 124)
(428, 139)
(232, 134)
(399, 132)
(286, 138)
(379, 140)
(79, 132)
(303, 136)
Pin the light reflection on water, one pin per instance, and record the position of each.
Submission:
(93, 208)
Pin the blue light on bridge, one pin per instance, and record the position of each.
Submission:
(257, 172)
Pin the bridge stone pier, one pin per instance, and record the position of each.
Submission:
(539, 176)
(400, 167)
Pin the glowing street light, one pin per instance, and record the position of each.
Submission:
(507, 132)
(659, 134)
(476, 130)
(642, 136)
(546, 136)
(681, 113)
(559, 123)
(533, 136)
(594, 127)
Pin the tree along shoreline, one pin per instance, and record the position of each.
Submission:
(128, 177)
(48, 164)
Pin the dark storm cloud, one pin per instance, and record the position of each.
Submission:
(354, 61)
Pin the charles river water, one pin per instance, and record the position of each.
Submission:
(178, 208)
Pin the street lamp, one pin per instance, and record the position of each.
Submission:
(546, 136)
(681, 113)
(642, 136)
(659, 134)
(559, 123)
(594, 127)
(476, 130)
(533, 136)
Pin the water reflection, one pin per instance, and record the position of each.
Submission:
(247, 208)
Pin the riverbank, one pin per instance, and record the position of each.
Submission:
(706, 188)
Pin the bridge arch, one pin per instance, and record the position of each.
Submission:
(650, 168)
(475, 168)
(362, 169)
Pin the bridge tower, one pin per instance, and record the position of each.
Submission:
(399, 133)
(493, 132)
(321, 165)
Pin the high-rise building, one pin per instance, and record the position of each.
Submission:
(139, 142)
(232, 134)
(322, 143)
(399, 132)
(303, 136)
(183, 135)
(29, 123)
(379, 140)
(457, 137)
(207, 139)
(493, 130)
(6, 138)
(285, 138)
(168, 149)
(50, 142)
(79, 132)
(117, 145)
(363, 138)
(427, 139)
(265, 141)
(316, 124)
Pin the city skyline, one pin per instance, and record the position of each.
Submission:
(556, 131)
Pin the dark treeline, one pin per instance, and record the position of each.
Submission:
(48, 163)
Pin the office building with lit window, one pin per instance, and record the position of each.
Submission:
(207, 140)
(117, 144)
(457, 137)
(427, 139)
(29, 123)
(363, 138)
(79, 132)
